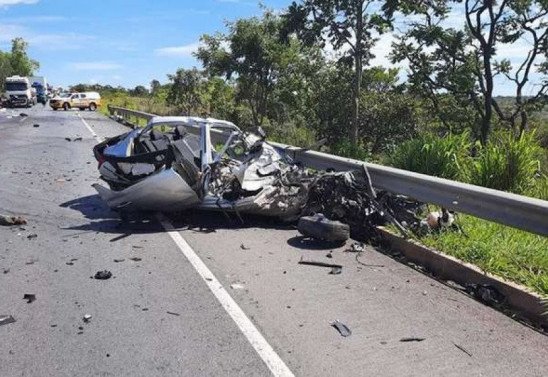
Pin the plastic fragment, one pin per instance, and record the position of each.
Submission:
(341, 328)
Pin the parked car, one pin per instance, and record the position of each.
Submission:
(82, 101)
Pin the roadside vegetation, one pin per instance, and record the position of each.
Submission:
(305, 74)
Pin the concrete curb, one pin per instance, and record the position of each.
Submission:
(528, 304)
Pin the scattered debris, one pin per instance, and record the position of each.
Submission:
(23, 115)
(6, 319)
(119, 260)
(68, 139)
(462, 349)
(341, 328)
(29, 297)
(173, 313)
(367, 264)
(6, 270)
(86, 318)
(69, 263)
(78, 139)
(237, 286)
(412, 339)
(32, 236)
(103, 275)
(329, 255)
(320, 227)
(136, 259)
(439, 219)
(7, 220)
(243, 247)
(336, 269)
(35, 125)
(485, 293)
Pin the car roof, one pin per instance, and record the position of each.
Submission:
(194, 121)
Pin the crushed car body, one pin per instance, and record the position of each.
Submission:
(176, 163)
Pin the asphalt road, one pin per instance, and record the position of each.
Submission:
(158, 317)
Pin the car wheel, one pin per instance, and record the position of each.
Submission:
(54, 108)
(320, 227)
(92, 107)
(66, 106)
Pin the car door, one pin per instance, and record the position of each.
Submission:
(83, 100)
(74, 100)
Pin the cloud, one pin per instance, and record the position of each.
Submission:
(5, 3)
(178, 51)
(95, 66)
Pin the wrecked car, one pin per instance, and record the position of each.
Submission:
(176, 163)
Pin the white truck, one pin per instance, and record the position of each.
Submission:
(19, 92)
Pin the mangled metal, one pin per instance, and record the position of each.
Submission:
(187, 162)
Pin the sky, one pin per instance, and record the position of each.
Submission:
(132, 42)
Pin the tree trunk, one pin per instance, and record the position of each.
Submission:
(487, 99)
(358, 59)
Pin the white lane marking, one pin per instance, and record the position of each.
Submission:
(98, 138)
(255, 338)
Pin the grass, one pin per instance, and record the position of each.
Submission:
(510, 253)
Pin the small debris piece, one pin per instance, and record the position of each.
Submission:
(31, 236)
(6, 319)
(237, 286)
(336, 269)
(78, 139)
(173, 313)
(341, 328)
(411, 339)
(136, 247)
(243, 247)
(6, 270)
(12, 220)
(29, 297)
(119, 260)
(462, 349)
(320, 227)
(87, 318)
(356, 247)
(69, 263)
(103, 275)
(329, 255)
(136, 259)
(68, 139)
(35, 125)
(23, 115)
(486, 293)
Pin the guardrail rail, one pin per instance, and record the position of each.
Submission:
(513, 210)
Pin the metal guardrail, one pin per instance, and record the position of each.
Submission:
(505, 208)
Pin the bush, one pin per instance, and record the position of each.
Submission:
(506, 163)
(345, 148)
(433, 155)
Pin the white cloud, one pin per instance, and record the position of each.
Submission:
(179, 51)
(94, 66)
(5, 3)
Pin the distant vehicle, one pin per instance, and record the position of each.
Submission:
(19, 92)
(82, 101)
(39, 81)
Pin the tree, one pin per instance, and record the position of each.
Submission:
(345, 24)
(155, 87)
(20, 62)
(253, 55)
(463, 62)
(139, 91)
(185, 92)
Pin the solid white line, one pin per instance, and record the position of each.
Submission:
(255, 338)
(99, 139)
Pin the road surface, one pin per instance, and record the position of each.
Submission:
(161, 315)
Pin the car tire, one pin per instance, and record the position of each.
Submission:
(54, 108)
(66, 106)
(320, 227)
(92, 107)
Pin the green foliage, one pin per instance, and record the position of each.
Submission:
(16, 62)
(433, 155)
(346, 148)
(516, 255)
(506, 163)
(186, 91)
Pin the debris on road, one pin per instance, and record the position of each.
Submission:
(243, 247)
(136, 259)
(86, 318)
(437, 220)
(237, 286)
(462, 349)
(485, 293)
(35, 125)
(320, 227)
(32, 236)
(29, 297)
(356, 247)
(173, 313)
(411, 339)
(7, 220)
(119, 260)
(341, 328)
(23, 115)
(103, 275)
(6, 319)
(336, 269)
